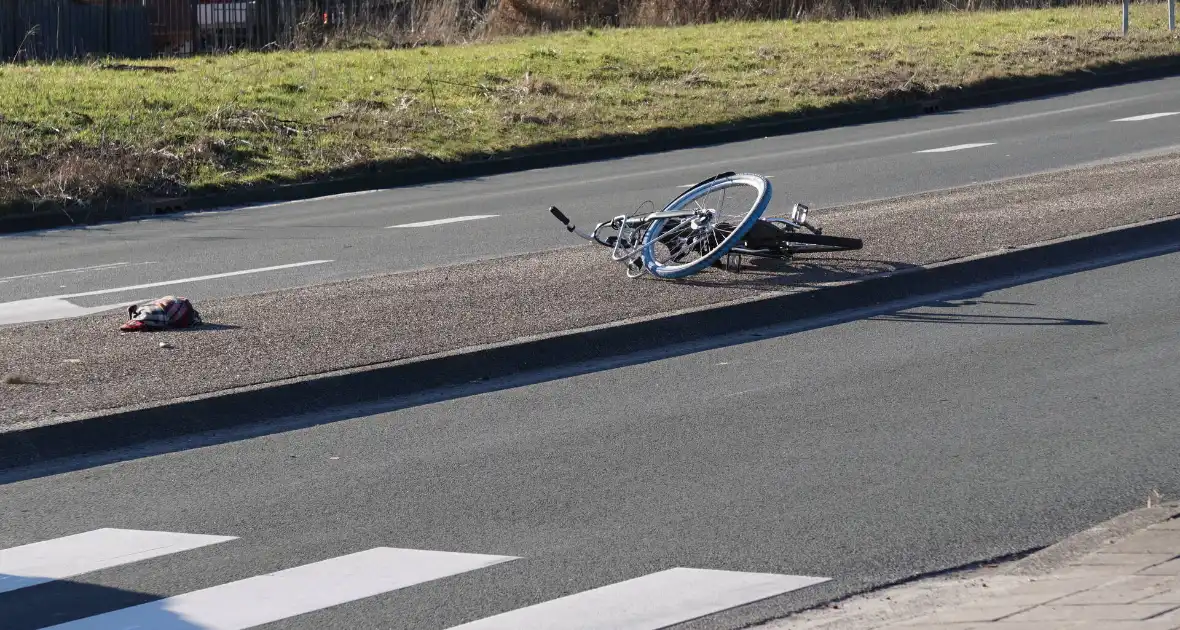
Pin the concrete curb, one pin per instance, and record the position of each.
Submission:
(273, 402)
(25, 217)
(959, 586)
(1088, 541)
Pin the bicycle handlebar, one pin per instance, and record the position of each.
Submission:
(617, 223)
(561, 217)
(572, 228)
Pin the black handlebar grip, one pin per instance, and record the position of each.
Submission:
(557, 213)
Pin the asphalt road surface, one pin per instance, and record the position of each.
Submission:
(214, 254)
(747, 481)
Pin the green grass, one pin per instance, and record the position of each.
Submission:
(79, 132)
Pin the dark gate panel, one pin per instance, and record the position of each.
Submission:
(54, 29)
(8, 29)
(74, 28)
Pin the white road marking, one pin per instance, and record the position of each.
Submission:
(74, 270)
(473, 217)
(46, 309)
(274, 204)
(344, 195)
(57, 306)
(1145, 117)
(691, 185)
(957, 147)
(300, 590)
(653, 601)
(215, 276)
(68, 556)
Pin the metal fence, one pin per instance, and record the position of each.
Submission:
(49, 29)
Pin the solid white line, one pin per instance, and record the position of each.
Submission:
(653, 601)
(345, 195)
(261, 206)
(1145, 117)
(957, 147)
(57, 307)
(443, 221)
(691, 185)
(195, 279)
(74, 270)
(68, 556)
(300, 590)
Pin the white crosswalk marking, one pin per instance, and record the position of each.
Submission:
(653, 601)
(649, 602)
(69, 556)
(276, 596)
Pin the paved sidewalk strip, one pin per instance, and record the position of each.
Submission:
(1128, 582)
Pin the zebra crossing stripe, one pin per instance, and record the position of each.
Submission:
(303, 589)
(68, 556)
(653, 601)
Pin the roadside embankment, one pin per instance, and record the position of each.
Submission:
(75, 136)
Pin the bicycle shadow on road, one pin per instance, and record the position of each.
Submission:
(919, 315)
(769, 274)
(62, 601)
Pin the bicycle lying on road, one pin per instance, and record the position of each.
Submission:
(680, 240)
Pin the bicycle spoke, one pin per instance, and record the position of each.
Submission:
(673, 232)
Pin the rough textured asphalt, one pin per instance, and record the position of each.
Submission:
(86, 364)
(866, 451)
(823, 169)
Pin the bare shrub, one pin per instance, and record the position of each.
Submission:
(398, 24)
(410, 23)
(529, 16)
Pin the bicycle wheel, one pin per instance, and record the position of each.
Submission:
(682, 246)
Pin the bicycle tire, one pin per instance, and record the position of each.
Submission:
(764, 191)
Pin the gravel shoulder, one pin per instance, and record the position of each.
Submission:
(83, 366)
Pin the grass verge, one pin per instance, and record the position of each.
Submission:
(84, 132)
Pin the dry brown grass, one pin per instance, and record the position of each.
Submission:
(436, 22)
(412, 23)
(76, 172)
